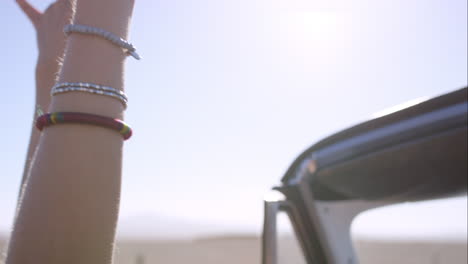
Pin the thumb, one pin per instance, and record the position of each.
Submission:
(33, 14)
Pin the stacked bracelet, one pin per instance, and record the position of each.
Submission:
(116, 40)
(90, 88)
(84, 118)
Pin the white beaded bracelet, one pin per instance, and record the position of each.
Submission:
(90, 88)
(116, 40)
(89, 85)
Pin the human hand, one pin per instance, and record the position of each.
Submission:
(49, 29)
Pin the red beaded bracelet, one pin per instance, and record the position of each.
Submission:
(84, 118)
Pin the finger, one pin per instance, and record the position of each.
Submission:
(33, 14)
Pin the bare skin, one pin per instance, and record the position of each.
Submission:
(69, 207)
(49, 28)
(51, 45)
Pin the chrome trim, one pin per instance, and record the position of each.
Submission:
(335, 219)
(331, 224)
(448, 116)
(387, 135)
(269, 236)
(309, 201)
(301, 171)
(329, 221)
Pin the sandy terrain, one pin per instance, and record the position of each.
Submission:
(246, 250)
(228, 250)
(3, 241)
(414, 252)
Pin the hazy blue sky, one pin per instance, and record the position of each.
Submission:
(229, 92)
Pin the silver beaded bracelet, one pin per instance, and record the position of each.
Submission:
(116, 40)
(90, 88)
(89, 85)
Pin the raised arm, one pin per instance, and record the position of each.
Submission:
(51, 44)
(69, 208)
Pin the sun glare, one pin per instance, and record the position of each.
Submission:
(313, 35)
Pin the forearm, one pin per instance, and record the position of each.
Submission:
(45, 78)
(70, 205)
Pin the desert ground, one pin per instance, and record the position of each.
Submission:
(246, 249)
(424, 252)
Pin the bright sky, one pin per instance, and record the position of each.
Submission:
(229, 92)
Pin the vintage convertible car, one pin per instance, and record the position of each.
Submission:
(417, 153)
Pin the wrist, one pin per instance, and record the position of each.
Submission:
(87, 103)
(47, 66)
(111, 15)
(46, 73)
